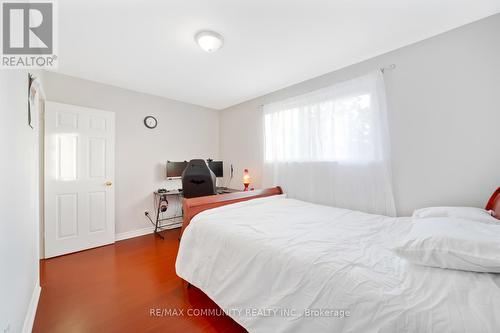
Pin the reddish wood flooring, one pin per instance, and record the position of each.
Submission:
(113, 288)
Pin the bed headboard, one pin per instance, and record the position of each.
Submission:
(194, 206)
(494, 203)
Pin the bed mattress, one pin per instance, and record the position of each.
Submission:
(282, 265)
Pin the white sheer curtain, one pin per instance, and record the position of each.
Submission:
(331, 146)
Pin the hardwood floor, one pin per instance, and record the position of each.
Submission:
(113, 289)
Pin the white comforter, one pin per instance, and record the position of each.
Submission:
(282, 265)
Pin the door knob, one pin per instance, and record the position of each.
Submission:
(108, 183)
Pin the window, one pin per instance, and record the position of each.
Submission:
(331, 146)
(338, 123)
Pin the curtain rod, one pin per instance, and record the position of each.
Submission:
(388, 68)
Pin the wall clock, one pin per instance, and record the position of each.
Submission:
(150, 122)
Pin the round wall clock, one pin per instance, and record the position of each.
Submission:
(150, 122)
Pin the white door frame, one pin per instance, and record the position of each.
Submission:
(37, 101)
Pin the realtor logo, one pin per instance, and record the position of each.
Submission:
(28, 35)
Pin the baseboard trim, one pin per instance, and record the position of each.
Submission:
(143, 231)
(29, 319)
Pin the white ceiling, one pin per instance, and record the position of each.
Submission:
(148, 46)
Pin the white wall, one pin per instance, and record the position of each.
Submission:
(19, 229)
(184, 132)
(444, 118)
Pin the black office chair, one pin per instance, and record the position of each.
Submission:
(198, 180)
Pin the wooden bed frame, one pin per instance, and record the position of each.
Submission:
(494, 203)
(194, 206)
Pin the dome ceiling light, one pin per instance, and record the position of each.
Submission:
(209, 41)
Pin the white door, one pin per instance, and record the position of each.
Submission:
(79, 176)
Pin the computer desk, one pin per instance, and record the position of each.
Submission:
(158, 196)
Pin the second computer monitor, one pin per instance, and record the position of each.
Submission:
(217, 168)
(175, 169)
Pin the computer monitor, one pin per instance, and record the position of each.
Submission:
(217, 168)
(175, 169)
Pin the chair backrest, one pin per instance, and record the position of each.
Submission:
(198, 180)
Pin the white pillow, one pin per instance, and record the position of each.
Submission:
(468, 213)
(453, 243)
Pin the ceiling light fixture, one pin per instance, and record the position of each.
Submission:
(209, 41)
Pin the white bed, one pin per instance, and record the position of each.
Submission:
(269, 262)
